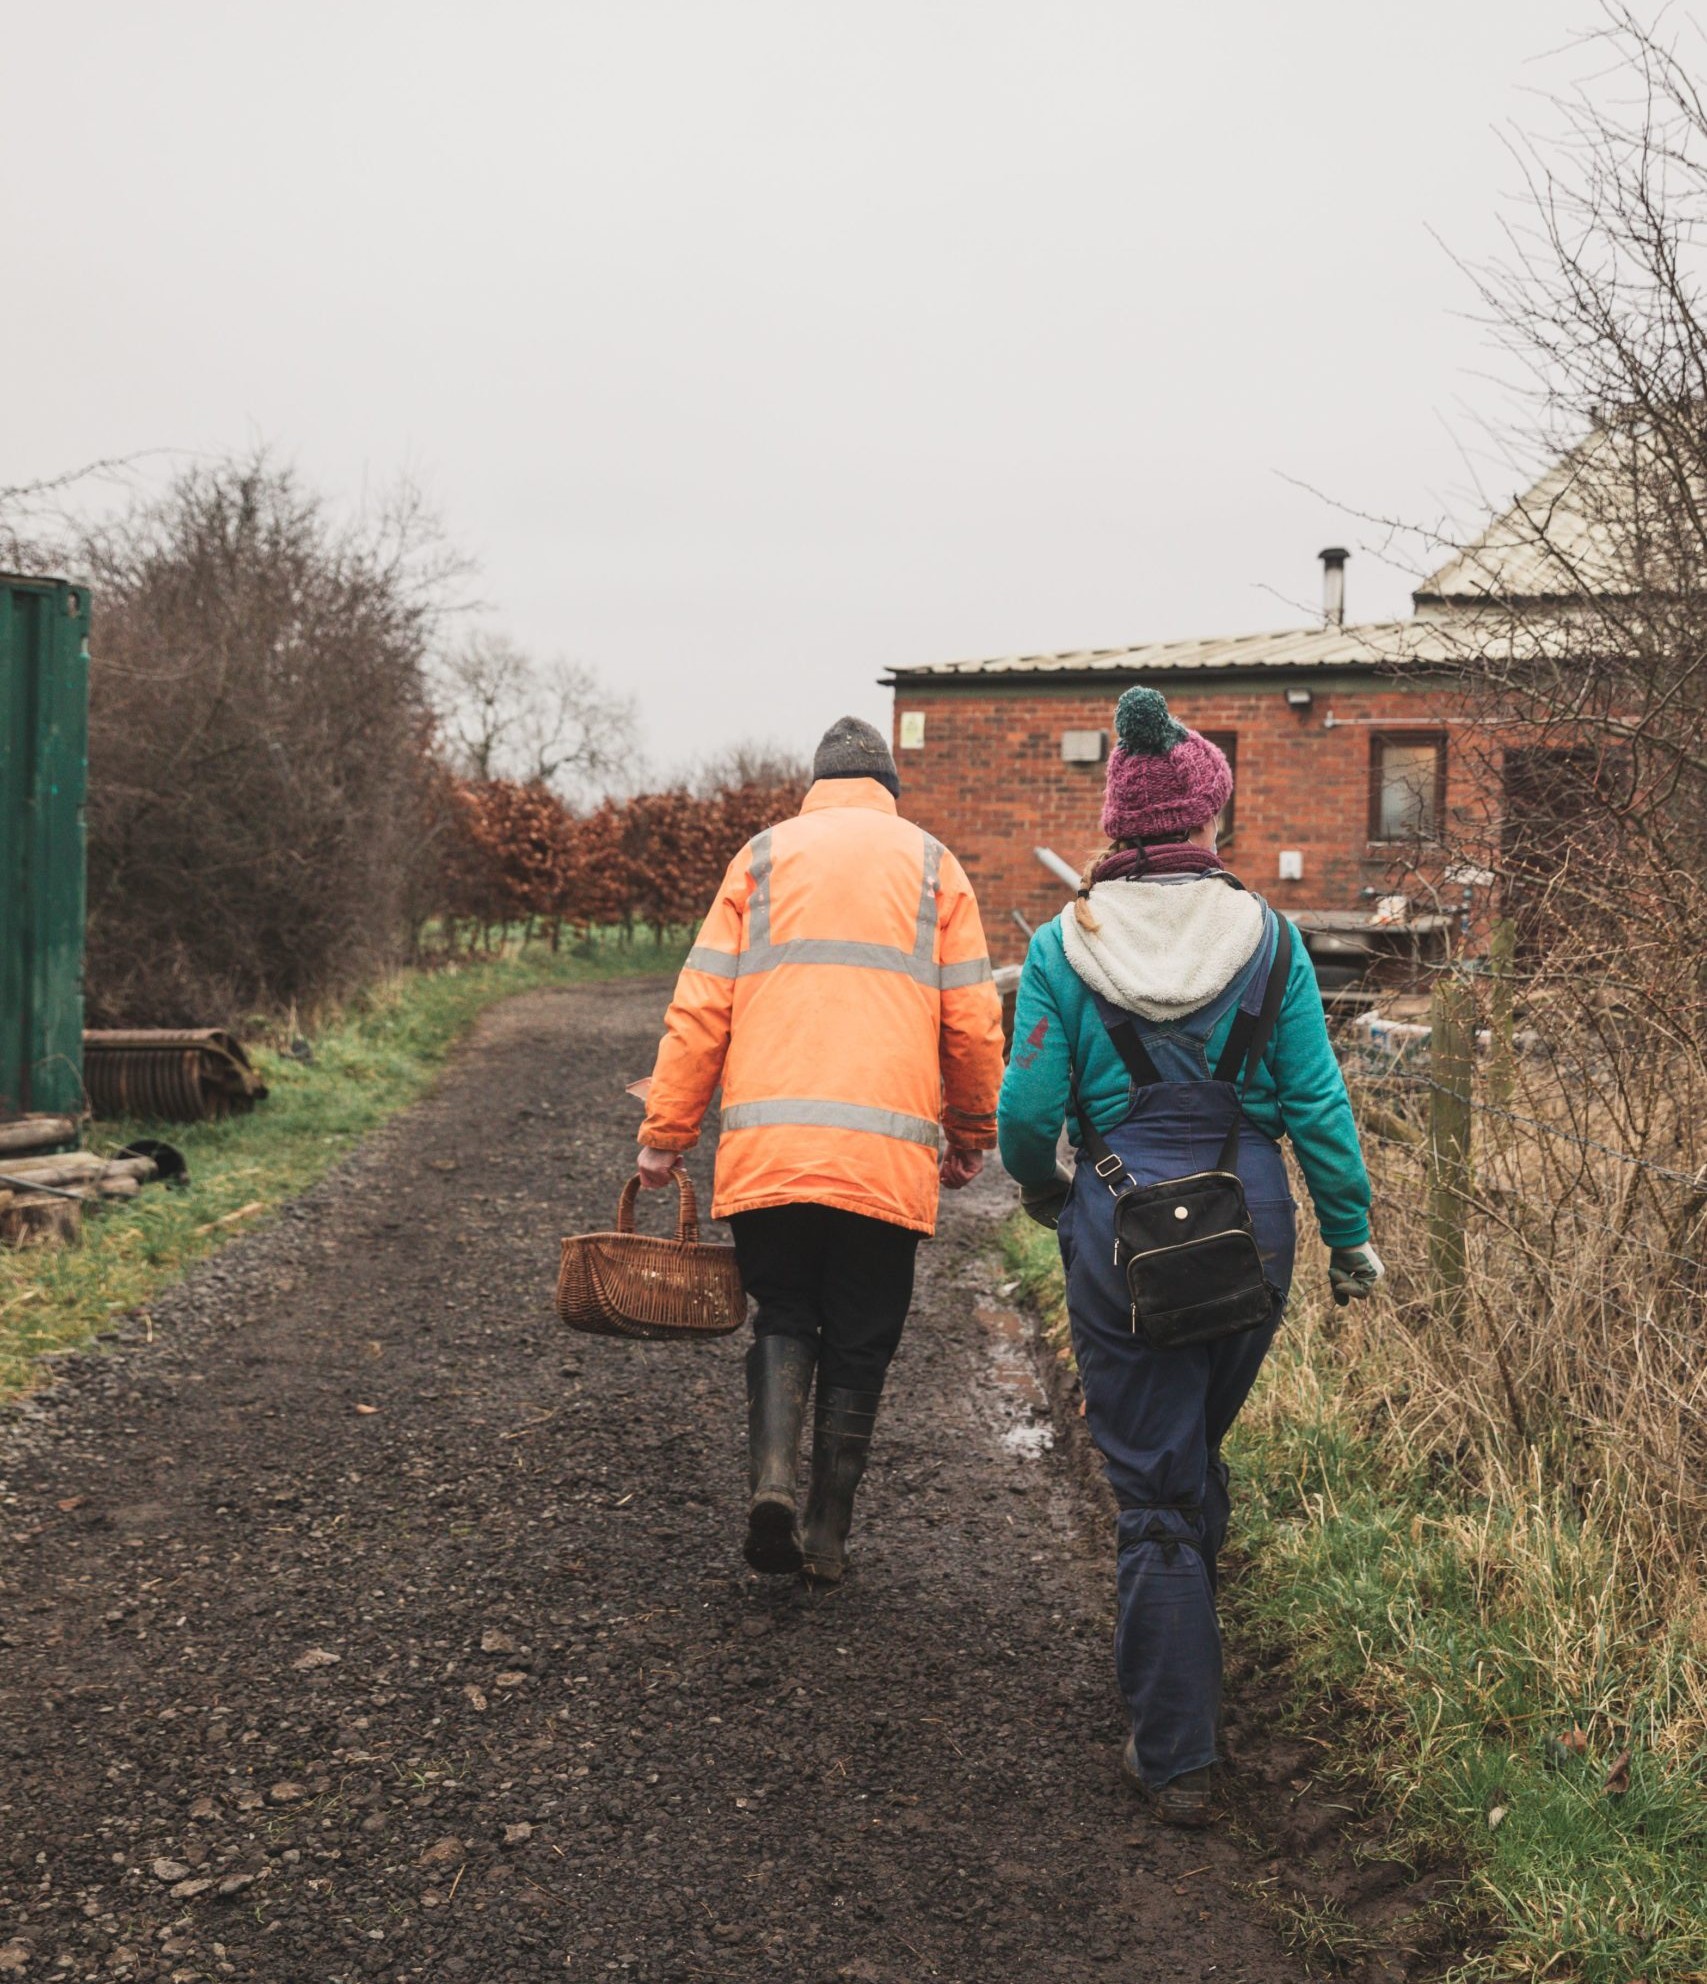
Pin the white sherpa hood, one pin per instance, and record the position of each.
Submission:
(1164, 948)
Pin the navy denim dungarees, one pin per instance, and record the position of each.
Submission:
(1158, 1416)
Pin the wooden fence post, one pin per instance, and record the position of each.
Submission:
(1451, 1052)
(1502, 1005)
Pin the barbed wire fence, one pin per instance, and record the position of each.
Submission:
(1539, 1196)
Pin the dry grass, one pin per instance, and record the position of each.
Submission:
(1577, 1351)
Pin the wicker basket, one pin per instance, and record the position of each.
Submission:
(631, 1284)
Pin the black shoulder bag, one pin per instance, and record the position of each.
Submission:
(1186, 1245)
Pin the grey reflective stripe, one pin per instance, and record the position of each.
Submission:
(863, 957)
(716, 964)
(839, 950)
(759, 903)
(918, 964)
(811, 1114)
(924, 944)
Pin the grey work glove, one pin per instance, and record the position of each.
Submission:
(1353, 1273)
(1044, 1202)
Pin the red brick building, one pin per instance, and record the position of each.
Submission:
(1357, 774)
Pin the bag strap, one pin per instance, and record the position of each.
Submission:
(1128, 1042)
(1105, 1162)
(1244, 1045)
(1257, 1037)
(1236, 1049)
(1274, 994)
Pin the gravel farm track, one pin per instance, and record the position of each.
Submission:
(357, 1622)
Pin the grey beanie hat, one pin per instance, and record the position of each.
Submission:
(851, 748)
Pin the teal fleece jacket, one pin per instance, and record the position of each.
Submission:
(1297, 1091)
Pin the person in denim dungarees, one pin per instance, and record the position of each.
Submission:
(1162, 937)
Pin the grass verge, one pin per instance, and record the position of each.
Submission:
(1520, 1703)
(378, 1054)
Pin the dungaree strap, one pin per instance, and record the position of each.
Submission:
(1235, 1050)
(1257, 1038)
(1247, 1042)
(1129, 1045)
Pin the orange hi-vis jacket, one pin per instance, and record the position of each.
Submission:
(840, 990)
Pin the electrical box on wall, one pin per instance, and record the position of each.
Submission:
(1084, 747)
(1291, 865)
(912, 730)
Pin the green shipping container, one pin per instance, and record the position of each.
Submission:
(44, 756)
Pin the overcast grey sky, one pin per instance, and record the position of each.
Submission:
(753, 348)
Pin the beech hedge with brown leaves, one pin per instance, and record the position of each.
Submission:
(519, 855)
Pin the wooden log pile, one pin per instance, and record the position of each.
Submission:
(36, 1133)
(42, 1198)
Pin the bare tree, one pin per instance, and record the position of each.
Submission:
(504, 715)
(1599, 300)
(259, 730)
(1573, 637)
(39, 532)
(754, 761)
(1576, 627)
(21, 548)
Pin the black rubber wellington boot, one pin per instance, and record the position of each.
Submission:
(841, 1439)
(779, 1376)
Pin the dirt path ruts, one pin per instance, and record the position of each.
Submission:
(475, 1685)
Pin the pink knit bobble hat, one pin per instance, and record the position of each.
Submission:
(1163, 780)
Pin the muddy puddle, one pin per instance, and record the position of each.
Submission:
(1022, 1409)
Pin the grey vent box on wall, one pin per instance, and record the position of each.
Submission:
(1084, 747)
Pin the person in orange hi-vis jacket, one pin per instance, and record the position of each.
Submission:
(840, 991)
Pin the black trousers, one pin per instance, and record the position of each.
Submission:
(837, 1280)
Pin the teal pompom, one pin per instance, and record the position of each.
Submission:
(1143, 725)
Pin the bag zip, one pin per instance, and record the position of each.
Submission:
(1150, 1254)
(1190, 1178)
(1203, 1240)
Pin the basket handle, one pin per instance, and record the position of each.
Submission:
(687, 1206)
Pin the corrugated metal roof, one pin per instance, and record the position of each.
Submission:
(1443, 643)
(1312, 647)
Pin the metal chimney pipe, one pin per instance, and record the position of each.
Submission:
(1333, 584)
